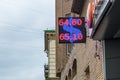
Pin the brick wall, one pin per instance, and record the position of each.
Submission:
(63, 7)
(88, 55)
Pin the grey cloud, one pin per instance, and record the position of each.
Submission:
(22, 39)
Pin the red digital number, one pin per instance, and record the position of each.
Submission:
(74, 22)
(61, 37)
(79, 22)
(61, 22)
(80, 36)
(65, 36)
(75, 37)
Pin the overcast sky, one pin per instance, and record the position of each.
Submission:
(22, 25)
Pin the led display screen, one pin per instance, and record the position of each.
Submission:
(72, 30)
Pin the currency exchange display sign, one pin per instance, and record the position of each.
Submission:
(72, 30)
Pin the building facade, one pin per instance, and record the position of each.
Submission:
(83, 61)
(62, 9)
(96, 59)
(50, 49)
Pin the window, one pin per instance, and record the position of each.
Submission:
(68, 15)
(69, 75)
(67, 0)
(69, 47)
(87, 73)
(74, 68)
(66, 78)
(51, 34)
